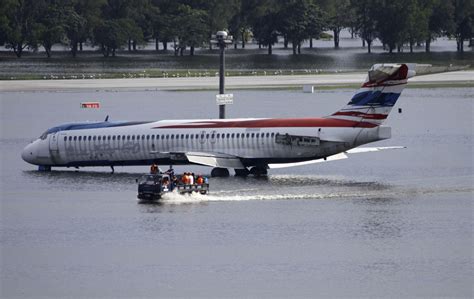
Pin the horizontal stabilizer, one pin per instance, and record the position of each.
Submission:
(336, 157)
(358, 150)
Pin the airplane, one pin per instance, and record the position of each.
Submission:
(247, 145)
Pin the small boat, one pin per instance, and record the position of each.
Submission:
(152, 187)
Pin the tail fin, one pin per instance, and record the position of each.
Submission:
(374, 100)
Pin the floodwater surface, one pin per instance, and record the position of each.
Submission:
(387, 224)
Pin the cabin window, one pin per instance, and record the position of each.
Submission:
(247, 135)
(89, 138)
(192, 136)
(147, 137)
(99, 138)
(167, 136)
(212, 136)
(152, 137)
(94, 138)
(218, 136)
(70, 138)
(273, 134)
(103, 138)
(113, 137)
(65, 138)
(207, 136)
(143, 137)
(74, 138)
(237, 135)
(232, 136)
(172, 136)
(108, 137)
(128, 137)
(228, 135)
(196, 136)
(268, 135)
(182, 136)
(187, 136)
(133, 137)
(80, 138)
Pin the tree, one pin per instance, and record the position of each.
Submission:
(265, 23)
(191, 30)
(366, 20)
(338, 16)
(51, 24)
(82, 17)
(440, 19)
(111, 35)
(417, 23)
(392, 20)
(300, 20)
(315, 24)
(239, 24)
(463, 18)
(19, 24)
(218, 13)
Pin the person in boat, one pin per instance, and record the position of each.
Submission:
(166, 183)
(174, 182)
(185, 178)
(191, 178)
(153, 168)
(200, 180)
(170, 172)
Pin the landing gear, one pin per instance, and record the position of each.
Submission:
(219, 172)
(258, 171)
(242, 172)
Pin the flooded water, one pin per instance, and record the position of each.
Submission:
(388, 224)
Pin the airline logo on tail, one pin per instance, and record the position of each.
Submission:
(374, 100)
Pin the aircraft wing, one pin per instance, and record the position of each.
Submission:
(335, 157)
(215, 160)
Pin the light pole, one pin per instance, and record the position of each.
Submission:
(222, 39)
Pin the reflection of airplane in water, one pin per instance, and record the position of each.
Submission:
(249, 146)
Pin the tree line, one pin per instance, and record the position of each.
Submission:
(114, 24)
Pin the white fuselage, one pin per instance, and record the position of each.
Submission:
(162, 141)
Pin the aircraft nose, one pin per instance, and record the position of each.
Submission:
(28, 154)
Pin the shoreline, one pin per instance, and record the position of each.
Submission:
(322, 81)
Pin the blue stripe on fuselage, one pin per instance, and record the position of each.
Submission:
(374, 98)
(94, 125)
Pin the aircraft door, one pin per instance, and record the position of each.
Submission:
(53, 142)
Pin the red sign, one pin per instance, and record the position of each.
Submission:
(90, 105)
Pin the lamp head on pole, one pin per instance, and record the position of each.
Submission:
(221, 38)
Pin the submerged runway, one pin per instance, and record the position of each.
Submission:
(243, 82)
(384, 224)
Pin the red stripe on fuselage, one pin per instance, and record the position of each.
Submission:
(272, 123)
(363, 115)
